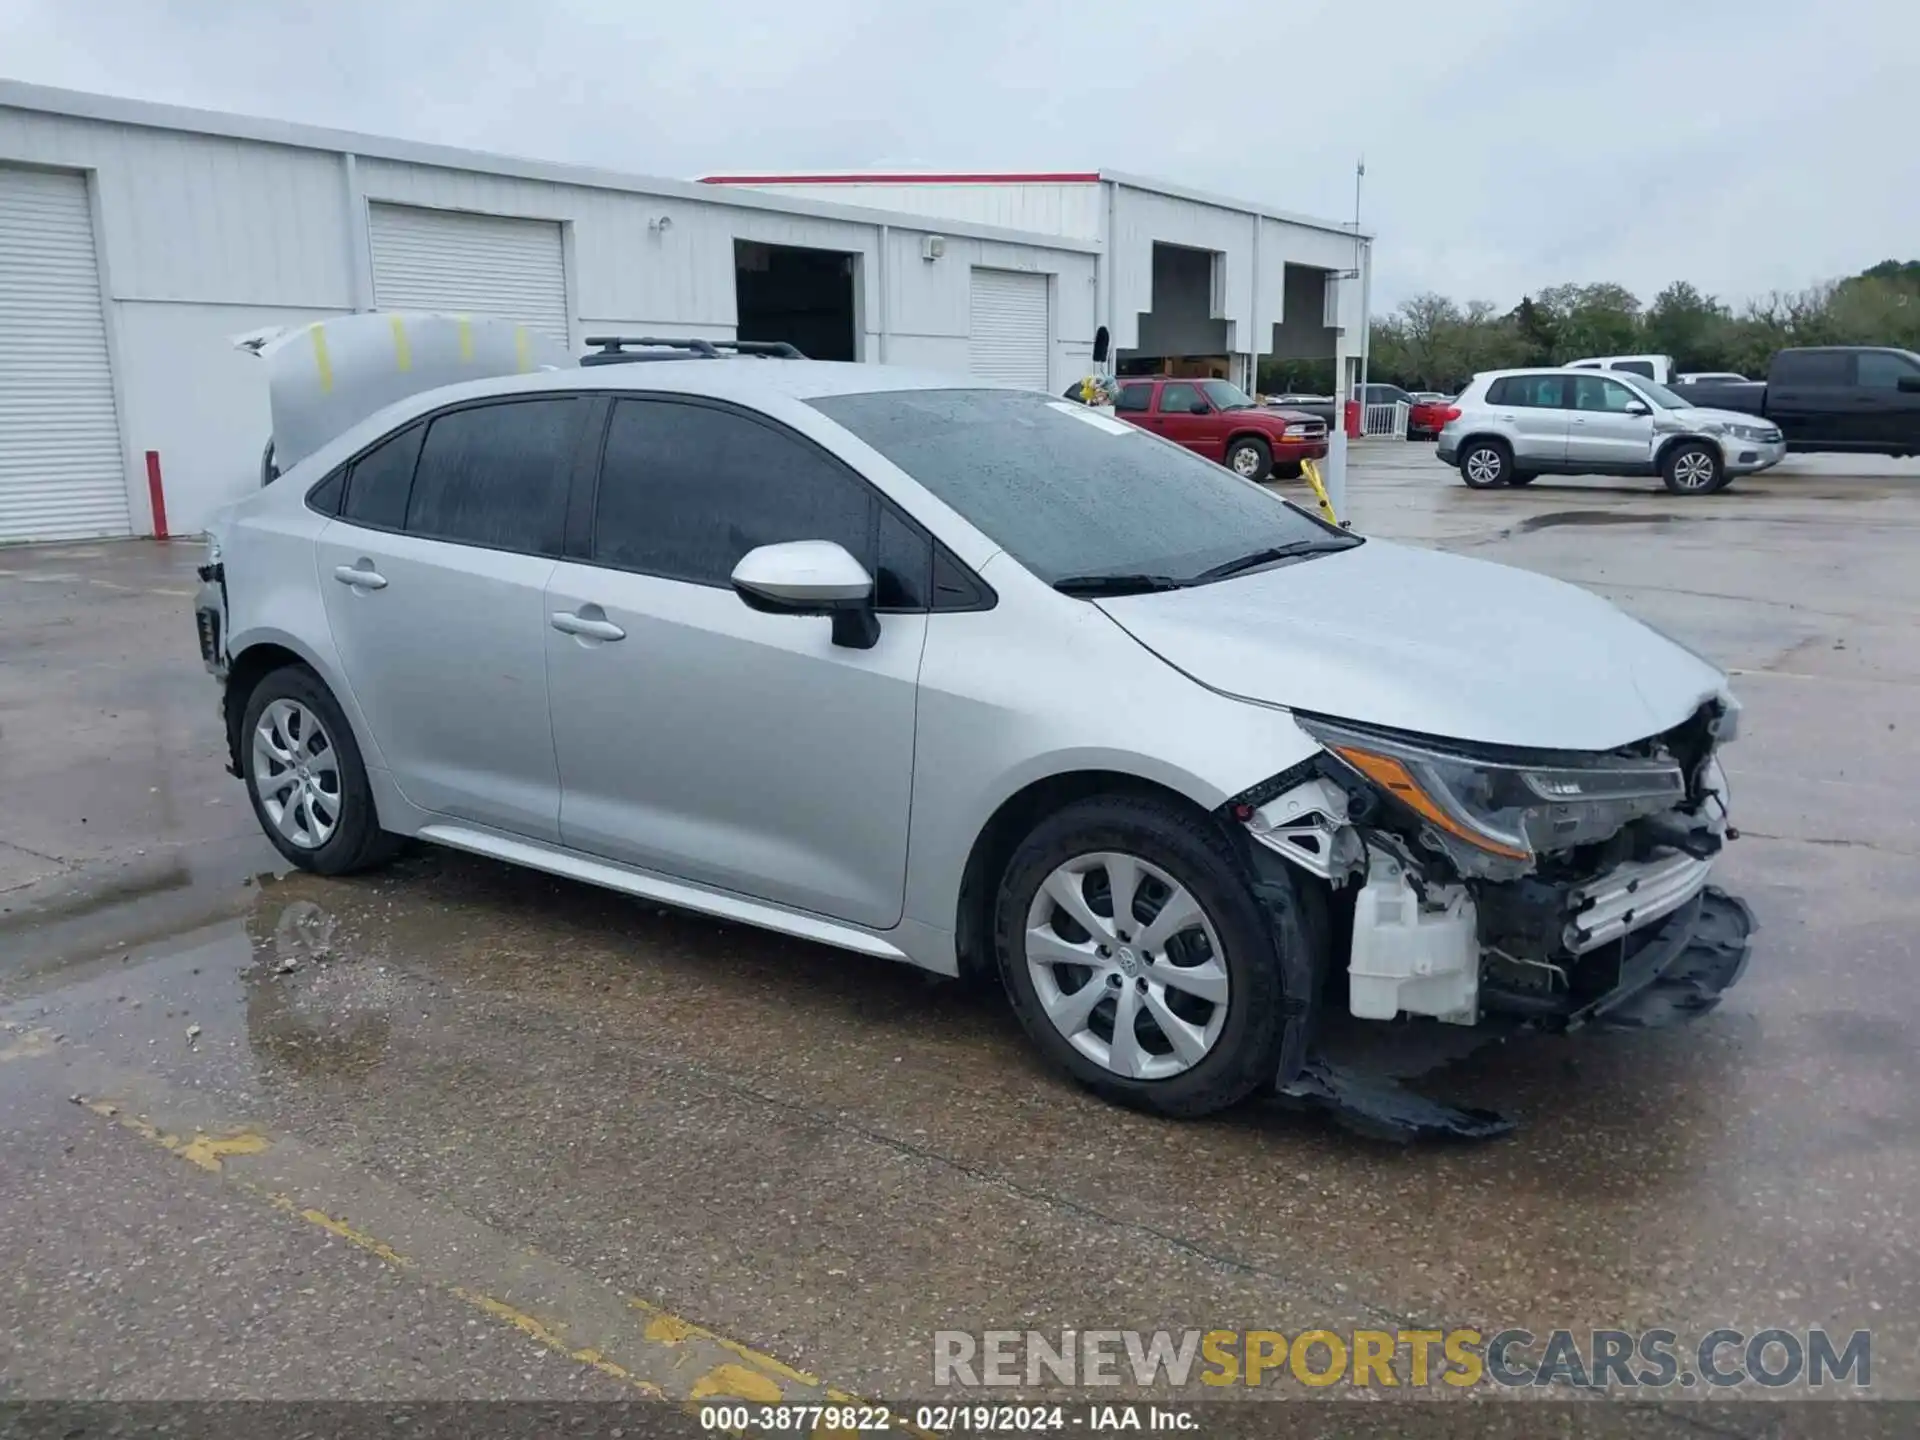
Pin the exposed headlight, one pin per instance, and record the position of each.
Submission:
(1750, 432)
(1511, 808)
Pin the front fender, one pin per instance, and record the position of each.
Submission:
(992, 722)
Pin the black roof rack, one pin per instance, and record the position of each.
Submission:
(624, 349)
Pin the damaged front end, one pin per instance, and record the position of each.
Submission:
(1505, 889)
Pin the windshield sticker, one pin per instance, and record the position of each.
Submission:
(1093, 418)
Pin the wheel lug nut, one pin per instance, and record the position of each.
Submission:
(1102, 951)
(1114, 981)
(1141, 984)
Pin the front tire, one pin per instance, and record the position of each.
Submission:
(1522, 477)
(1250, 458)
(1138, 959)
(1285, 470)
(305, 776)
(1694, 468)
(1486, 464)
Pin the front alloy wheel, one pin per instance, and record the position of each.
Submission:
(1126, 966)
(1693, 469)
(1139, 959)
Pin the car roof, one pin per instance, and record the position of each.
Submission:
(727, 379)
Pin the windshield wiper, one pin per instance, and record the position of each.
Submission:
(1116, 584)
(1269, 556)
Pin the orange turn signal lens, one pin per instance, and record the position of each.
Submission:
(1394, 778)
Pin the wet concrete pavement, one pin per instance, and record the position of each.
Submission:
(543, 1121)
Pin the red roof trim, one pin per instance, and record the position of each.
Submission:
(1047, 177)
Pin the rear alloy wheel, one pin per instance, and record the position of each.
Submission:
(1137, 958)
(1693, 468)
(305, 776)
(1486, 465)
(1249, 458)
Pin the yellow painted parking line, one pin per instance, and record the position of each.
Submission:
(649, 1349)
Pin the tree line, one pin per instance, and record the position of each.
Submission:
(1432, 342)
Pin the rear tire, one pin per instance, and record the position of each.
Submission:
(1250, 458)
(1182, 1053)
(1486, 464)
(1694, 467)
(306, 779)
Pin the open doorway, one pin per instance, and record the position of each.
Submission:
(1180, 335)
(801, 296)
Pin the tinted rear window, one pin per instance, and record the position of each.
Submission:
(1530, 392)
(381, 480)
(1065, 490)
(1809, 367)
(496, 475)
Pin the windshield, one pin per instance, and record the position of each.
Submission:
(1659, 394)
(1069, 492)
(1225, 396)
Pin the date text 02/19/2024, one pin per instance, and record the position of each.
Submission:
(852, 1419)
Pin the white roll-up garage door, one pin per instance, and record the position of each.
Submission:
(1007, 340)
(470, 265)
(62, 475)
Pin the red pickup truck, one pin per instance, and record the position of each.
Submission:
(1217, 420)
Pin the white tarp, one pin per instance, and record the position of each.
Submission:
(324, 378)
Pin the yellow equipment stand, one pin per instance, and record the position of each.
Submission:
(1312, 473)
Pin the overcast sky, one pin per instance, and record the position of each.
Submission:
(1510, 144)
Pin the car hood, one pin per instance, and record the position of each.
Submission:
(1695, 416)
(1419, 640)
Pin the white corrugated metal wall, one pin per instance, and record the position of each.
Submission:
(1007, 333)
(470, 264)
(209, 226)
(62, 474)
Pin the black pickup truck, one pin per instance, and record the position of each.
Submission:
(1829, 397)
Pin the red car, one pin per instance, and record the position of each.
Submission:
(1217, 420)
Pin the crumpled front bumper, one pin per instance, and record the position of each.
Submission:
(1680, 969)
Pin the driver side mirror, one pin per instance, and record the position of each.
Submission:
(1909, 383)
(811, 577)
(1200, 407)
(1638, 407)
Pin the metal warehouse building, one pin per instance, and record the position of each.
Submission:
(136, 240)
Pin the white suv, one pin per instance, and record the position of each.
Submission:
(978, 680)
(1511, 426)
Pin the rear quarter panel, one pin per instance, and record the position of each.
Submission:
(273, 590)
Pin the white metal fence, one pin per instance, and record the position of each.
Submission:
(1389, 421)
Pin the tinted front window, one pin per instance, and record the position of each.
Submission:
(1884, 370)
(1226, 396)
(686, 490)
(1136, 399)
(496, 475)
(381, 479)
(1178, 399)
(1590, 392)
(1809, 367)
(1067, 491)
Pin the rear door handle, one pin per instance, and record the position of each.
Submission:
(594, 627)
(362, 576)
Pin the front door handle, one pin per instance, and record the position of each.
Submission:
(362, 576)
(594, 626)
